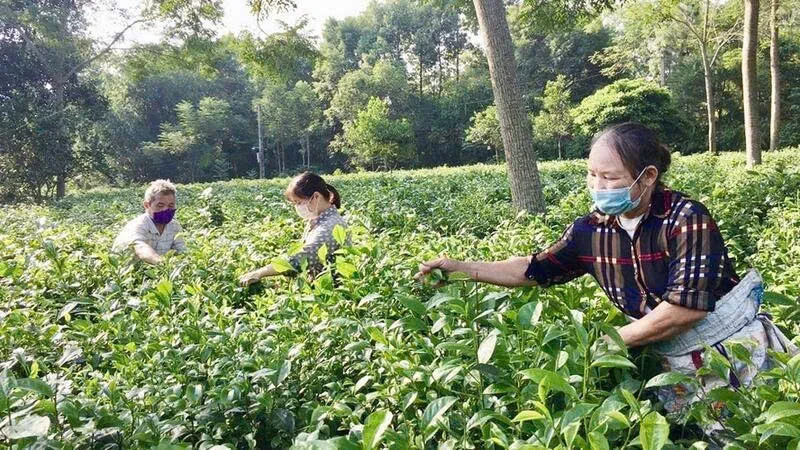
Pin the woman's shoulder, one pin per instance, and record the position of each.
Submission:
(588, 223)
(330, 218)
(683, 206)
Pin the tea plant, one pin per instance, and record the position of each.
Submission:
(99, 351)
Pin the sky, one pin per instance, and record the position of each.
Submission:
(104, 23)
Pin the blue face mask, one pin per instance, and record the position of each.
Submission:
(615, 201)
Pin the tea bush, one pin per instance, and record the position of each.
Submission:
(98, 351)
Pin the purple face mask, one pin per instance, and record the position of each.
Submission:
(164, 217)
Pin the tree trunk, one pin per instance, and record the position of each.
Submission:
(277, 153)
(775, 71)
(559, 148)
(420, 77)
(261, 160)
(662, 68)
(457, 68)
(61, 177)
(439, 64)
(515, 128)
(302, 153)
(61, 186)
(749, 82)
(283, 158)
(710, 105)
(308, 151)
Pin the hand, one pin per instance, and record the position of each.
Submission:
(605, 345)
(250, 278)
(442, 263)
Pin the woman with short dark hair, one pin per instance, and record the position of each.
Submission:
(659, 257)
(318, 203)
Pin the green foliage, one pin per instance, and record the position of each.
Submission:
(285, 57)
(556, 15)
(97, 350)
(485, 129)
(568, 52)
(51, 106)
(374, 140)
(151, 82)
(74, 111)
(196, 142)
(384, 79)
(553, 124)
(778, 249)
(630, 100)
(290, 115)
(554, 121)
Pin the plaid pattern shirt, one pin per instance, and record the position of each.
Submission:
(676, 255)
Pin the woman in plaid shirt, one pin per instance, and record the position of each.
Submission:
(660, 259)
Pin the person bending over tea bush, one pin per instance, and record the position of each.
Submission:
(156, 231)
(659, 257)
(318, 203)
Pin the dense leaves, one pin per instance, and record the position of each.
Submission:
(99, 351)
(78, 111)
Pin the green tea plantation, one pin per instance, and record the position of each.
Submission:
(98, 351)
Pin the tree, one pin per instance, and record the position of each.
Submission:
(196, 141)
(453, 42)
(308, 114)
(710, 41)
(526, 188)
(374, 140)
(55, 34)
(414, 54)
(284, 57)
(277, 116)
(775, 78)
(423, 43)
(549, 16)
(542, 58)
(36, 141)
(290, 116)
(554, 120)
(750, 82)
(426, 38)
(485, 129)
(440, 120)
(144, 87)
(630, 100)
(709, 27)
(340, 53)
(384, 79)
(559, 37)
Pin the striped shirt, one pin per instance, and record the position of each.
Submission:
(676, 255)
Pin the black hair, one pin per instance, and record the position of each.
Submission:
(638, 147)
(307, 183)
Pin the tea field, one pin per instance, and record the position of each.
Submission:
(97, 351)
